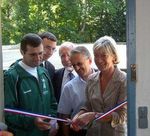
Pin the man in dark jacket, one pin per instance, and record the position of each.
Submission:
(27, 87)
(49, 41)
(62, 75)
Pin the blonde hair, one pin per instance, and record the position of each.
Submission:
(107, 44)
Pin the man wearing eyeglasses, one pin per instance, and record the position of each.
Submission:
(49, 41)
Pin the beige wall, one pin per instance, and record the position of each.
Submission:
(143, 59)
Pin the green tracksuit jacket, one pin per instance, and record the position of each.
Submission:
(23, 91)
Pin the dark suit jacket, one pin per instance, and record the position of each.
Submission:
(57, 82)
(50, 68)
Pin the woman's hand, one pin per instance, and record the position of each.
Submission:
(80, 121)
(107, 118)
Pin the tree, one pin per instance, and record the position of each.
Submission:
(70, 20)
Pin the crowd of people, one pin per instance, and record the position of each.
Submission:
(76, 93)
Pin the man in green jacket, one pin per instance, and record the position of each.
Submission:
(27, 87)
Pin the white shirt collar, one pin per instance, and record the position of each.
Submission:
(31, 70)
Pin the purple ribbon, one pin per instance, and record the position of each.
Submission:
(110, 111)
(34, 115)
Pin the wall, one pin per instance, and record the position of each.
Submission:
(143, 62)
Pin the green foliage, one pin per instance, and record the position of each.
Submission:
(70, 20)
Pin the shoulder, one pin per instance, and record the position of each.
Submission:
(120, 75)
(49, 64)
(42, 70)
(72, 83)
(12, 74)
(70, 89)
(57, 71)
(92, 80)
(12, 71)
(94, 76)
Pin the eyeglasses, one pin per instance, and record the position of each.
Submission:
(50, 48)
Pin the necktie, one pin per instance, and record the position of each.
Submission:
(71, 76)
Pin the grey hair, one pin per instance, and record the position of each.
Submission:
(68, 45)
(81, 50)
(107, 44)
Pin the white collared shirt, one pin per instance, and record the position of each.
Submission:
(66, 78)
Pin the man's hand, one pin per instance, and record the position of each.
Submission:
(41, 124)
(5, 133)
(54, 128)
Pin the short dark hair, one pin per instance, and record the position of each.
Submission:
(48, 35)
(30, 39)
